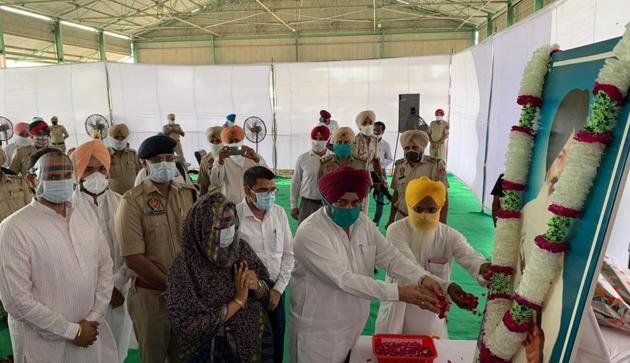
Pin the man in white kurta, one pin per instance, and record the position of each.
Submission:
(228, 170)
(91, 162)
(433, 246)
(336, 250)
(55, 273)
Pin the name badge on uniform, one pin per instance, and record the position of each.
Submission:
(402, 173)
(155, 206)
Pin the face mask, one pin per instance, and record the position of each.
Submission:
(319, 146)
(424, 221)
(367, 130)
(226, 238)
(163, 172)
(56, 191)
(265, 200)
(54, 122)
(95, 183)
(343, 217)
(439, 118)
(413, 156)
(343, 150)
(170, 122)
(41, 141)
(23, 141)
(119, 144)
(215, 149)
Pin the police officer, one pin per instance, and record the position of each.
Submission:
(413, 166)
(40, 132)
(58, 134)
(125, 163)
(342, 140)
(149, 227)
(175, 132)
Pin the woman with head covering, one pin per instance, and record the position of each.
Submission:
(125, 163)
(433, 245)
(91, 162)
(215, 288)
(21, 139)
(336, 251)
(413, 166)
(213, 135)
(234, 158)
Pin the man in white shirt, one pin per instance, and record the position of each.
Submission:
(265, 227)
(326, 119)
(432, 245)
(55, 272)
(386, 158)
(91, 162)
(234, 158)
(304, 183)
(336, 251)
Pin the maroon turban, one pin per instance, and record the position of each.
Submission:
(324, 114)
(36, 126)
(323, 130)
(344, 180)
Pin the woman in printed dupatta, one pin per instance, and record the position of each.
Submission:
(216, 289)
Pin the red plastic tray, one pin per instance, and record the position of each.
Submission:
(423, 340)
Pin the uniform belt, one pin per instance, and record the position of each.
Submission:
(145, 285)
(313, 200)
(59, 143)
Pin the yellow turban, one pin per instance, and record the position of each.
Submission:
(81, 156)
(343, 134)
(233, 131)
(119, 130)
(364, 115)
(415, 137)
(214, 131)
(423, 187)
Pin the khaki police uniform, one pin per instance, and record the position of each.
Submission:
(365, 148)
(22, 159)
(58, 136)
(205, 168)
(123, 170)
(149, 224)
(175, 131)
(437, 130)
(404, 172)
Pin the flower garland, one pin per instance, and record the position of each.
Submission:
(572, 191)
(507, 233)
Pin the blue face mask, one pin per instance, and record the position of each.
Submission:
(343, 217)
(226, 238)
(57, 191)
(163, 172)
(265, 200)
(343, 150)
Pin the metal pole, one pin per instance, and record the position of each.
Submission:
(214, 50)
(3, 57)
(485, 155)
(274, 125)
(510, 13)
(381, 48)
(58, 41)
(134, 51)
(538, 4)
(489, 26)
(101, 46)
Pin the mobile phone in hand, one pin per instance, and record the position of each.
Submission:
(235, 150)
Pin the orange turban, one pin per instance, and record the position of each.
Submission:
(423, 187)
(231, 132)
(83, 153)
(20, 127)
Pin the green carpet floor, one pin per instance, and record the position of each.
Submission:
(464, 215)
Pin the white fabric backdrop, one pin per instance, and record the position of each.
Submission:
(199, 96)
(71, 92)
(345, 89)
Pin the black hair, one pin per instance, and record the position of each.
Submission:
(41, 152)
(569, 117)
(380, 123)
(257, 172)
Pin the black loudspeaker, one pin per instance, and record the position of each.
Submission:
(408, 109)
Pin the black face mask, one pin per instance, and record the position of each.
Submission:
(413, 156)
(54, 122)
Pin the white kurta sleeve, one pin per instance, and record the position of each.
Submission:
(286, 264)
(104, 280)
(398, 264)
(465, 254)
(16, 286)
(217, 174)
(315, 251)
(296, 183)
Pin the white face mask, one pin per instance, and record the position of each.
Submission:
(119, 144)
(319, 146)
(367, 130)
(96, 183)
(215, 149)
(439, 118)
(226, 238)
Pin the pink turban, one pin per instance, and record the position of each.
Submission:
(20, 127)
(344, 180)
(83, 153)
